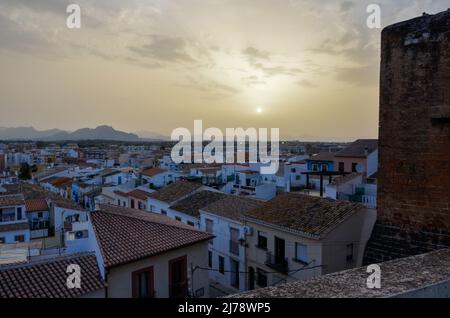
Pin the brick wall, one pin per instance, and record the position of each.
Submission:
(414, 145)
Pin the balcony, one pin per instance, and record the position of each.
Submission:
(234, 248)
(277, 263)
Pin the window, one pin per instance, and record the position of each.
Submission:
(132, 203)
(315, 167)
(119, 203)
(301, 253)
(354, 165)
(178, 218)
(234, 241)
(293, 170)
(234, 275)
(341, 167)
(262, 240)
(349, 252)
(324, 168)
(40, 215)
(2, 240)
(298, 178)
(261, 278)
(19, 238)
(191, 223)
(142, 283)
(163, 212)
(221, 265)
(210, 228)
(19, 213)
(210, 259)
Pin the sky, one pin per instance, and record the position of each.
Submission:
(307, 67)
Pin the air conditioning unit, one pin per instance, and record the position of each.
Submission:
(248, 230)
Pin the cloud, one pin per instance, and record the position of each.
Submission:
(165, 48)
(276, 70)
(306, 83)
(255, 54)
(252, 81)
(347, 6)
(362, 76)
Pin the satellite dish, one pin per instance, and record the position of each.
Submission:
(360, 168)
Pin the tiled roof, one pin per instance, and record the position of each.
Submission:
(14, 227)
(175, 191)
(323, 156)
(48, 279)
(12, 199)
(404, 277)
(199, 200)
(61, 182)
(127, 235)
(139, 194)
(33, 191)
(36, 205)
(343, 179)
(309, 216)
(358, 148)
(232, 207)
(153, 172)
(121, 193)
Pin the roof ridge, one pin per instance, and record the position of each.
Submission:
(45, 261)
(146, 215)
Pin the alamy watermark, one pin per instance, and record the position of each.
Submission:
(235, 140)
(374, 279)
(74, 278)
(73, 20)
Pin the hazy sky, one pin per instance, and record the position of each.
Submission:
(309, 67)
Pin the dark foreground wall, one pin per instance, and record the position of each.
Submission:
(414, 146)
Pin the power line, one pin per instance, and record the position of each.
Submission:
(293, 271)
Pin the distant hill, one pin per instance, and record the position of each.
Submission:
(149, 135)
(99, 133)
(26, 133)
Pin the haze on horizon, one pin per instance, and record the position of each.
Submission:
(307, 67)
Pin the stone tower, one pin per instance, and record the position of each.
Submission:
(414, 144)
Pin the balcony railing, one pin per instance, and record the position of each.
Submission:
(8, 218)
(277, 263)
(234, 247)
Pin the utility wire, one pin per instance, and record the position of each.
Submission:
(265, 272)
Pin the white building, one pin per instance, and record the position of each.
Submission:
(227, 252)
(14, 226)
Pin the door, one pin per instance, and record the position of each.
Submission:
(234, 273)
(178, 287)
(279, 251)
(251, 278)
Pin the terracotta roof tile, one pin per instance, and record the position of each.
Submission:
(192, 204)
(36, 205)
(127, 235)
(11, 200)
(309, 216)
(153, 172)
(138, 194)
(358, 148)
(175, 191)
(47, 279)
(233, 207)
(323, 156)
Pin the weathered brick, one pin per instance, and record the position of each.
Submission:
(414, 170)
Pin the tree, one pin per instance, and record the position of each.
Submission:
(25, 172)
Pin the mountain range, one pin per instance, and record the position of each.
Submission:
(100, 133)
